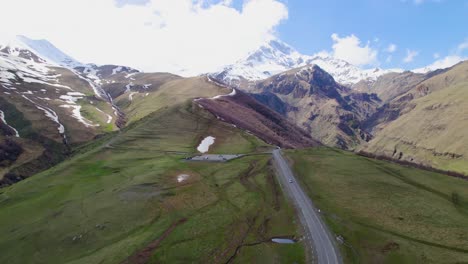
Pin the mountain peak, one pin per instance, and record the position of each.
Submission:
(20, 45)
(49, 52)
(275, 57)
(315, 75)
(279, 46)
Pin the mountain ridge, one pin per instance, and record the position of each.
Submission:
(275, 57)
(77, 102)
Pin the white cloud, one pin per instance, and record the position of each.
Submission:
(462, 46)
(446, 62)
(418, 2)
(160, 35)
(121, 3)
(410, 55)
(349, 48)
(389, 59)
(391, 48)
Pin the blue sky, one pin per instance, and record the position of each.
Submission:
(427, 27)
(190, 37)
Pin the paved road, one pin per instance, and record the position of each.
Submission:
(323, 244)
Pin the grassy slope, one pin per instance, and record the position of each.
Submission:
(32, 141)
(115, 197)
(91, 112)
(88, 103)
(438, 123)
(387, 213)
(435, 128)
(165, 94)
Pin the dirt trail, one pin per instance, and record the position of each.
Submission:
(143, 256)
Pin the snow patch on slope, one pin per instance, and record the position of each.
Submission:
(117, 70)
(224, 95)
(109, 117)
(93, 80)
(13, 68)
(130, 96)
(49, 113)
(2, 117)
(205, 144)
(128, 87)
(71, 98)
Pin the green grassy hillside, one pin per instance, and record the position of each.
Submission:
(385, 212)
(431, 128)
(165, 92)
(119, 196)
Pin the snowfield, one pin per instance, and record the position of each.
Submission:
(48, 51)
(109, 117)
(71, 98)
(224, 95)
(275, 57)
(205, 144)
(25, 61)
(2, 117)
(117, 70)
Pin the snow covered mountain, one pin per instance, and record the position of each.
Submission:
(42, 48)
(346, 73)
(272, 58)
(276, 56)
(50, 103)
(34, 59)
(35, 74)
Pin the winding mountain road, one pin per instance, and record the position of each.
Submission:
(321, 242)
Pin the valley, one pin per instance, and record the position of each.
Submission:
(321, 242)
(260, 162)
(385, 118)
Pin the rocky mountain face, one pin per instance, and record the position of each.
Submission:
(244, 112)
(391, 85)
(309, 96)
(348, 106)
(419, 118)
(276, 56)
(414, 117)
